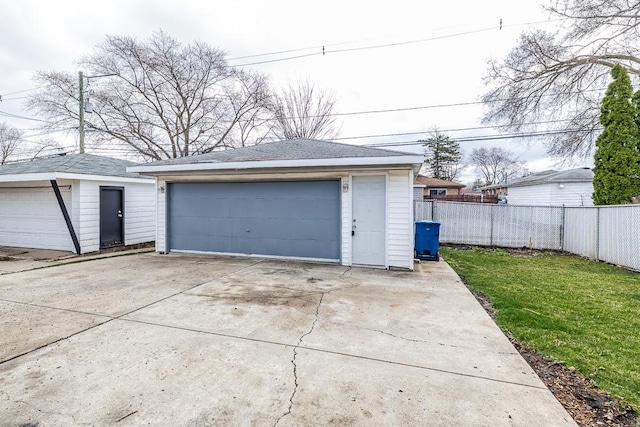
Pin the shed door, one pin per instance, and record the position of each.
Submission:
(111, 217)
(369, 195)
(31, 218)
(284, 218)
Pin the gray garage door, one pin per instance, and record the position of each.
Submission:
(284, 218)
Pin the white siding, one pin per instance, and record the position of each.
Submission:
(346, 222)
(400, 220)
(139, 211)
(574, 194)
(161, 213)
(31, 218)
(570, 194)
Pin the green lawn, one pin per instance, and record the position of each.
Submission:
(583, 313)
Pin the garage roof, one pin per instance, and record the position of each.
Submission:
(288, 153)
(68, 165)
(552, 176)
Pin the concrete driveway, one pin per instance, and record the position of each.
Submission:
(182, 340)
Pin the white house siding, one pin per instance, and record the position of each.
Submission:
(161, 216)
(346, 222)
(139, 207)
(140, 213)
(30, 217)
(400, 220)
(570, 194)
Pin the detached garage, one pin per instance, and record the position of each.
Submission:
(296, 199)
(75, 202)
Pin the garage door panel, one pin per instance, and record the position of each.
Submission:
(31, 218)
(293, 218)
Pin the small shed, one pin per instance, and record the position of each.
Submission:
(75, 202)
(573, 187)
(297, 199)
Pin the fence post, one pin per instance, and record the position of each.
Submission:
(562, 227)
(492, 216)
(598, 234)
(434, 210)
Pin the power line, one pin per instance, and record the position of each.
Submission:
(385, 135)
(426, 107)
(124, 149)
(485, 137)
(301, 49)
(16, 116)
(325, 51)
(318, 46)
(20, 91)
(49, 132)
(2, 99)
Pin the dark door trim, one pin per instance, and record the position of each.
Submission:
(65, 214)
(121, 215)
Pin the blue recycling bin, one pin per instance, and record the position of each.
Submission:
(427, 240)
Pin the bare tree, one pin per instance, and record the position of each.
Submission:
(304, 111)
(42, 148)
(494, 165)
(556, 80)
(10, 139)
(159, 98)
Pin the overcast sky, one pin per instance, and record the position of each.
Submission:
(444, 64)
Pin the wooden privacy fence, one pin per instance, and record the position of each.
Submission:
(604, 233)
(469, 198)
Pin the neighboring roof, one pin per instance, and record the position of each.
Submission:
(435, 182)
(85, 164)
(467, 190)
(499, 185)
(288, 153)
(552, 176)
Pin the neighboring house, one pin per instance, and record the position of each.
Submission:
(495, 190)
(438, 187)
(296, 199)
(75, 202)
(572, 187)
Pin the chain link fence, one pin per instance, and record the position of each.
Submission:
(610, 233)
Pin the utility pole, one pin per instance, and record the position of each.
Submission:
(81, 99)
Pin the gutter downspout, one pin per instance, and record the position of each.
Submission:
(65, 214)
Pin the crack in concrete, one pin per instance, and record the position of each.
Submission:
(297, 346)
(394, 335)
(295, 356)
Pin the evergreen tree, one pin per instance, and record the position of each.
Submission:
(617, 156)
(442, 156)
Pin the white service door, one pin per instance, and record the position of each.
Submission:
(368, 222)
(31, 218)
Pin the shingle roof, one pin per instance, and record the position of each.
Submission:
(292, 149)
(86, 164)
(553, 176)
(435, 182)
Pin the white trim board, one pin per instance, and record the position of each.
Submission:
(48, 176)
(267, 164)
